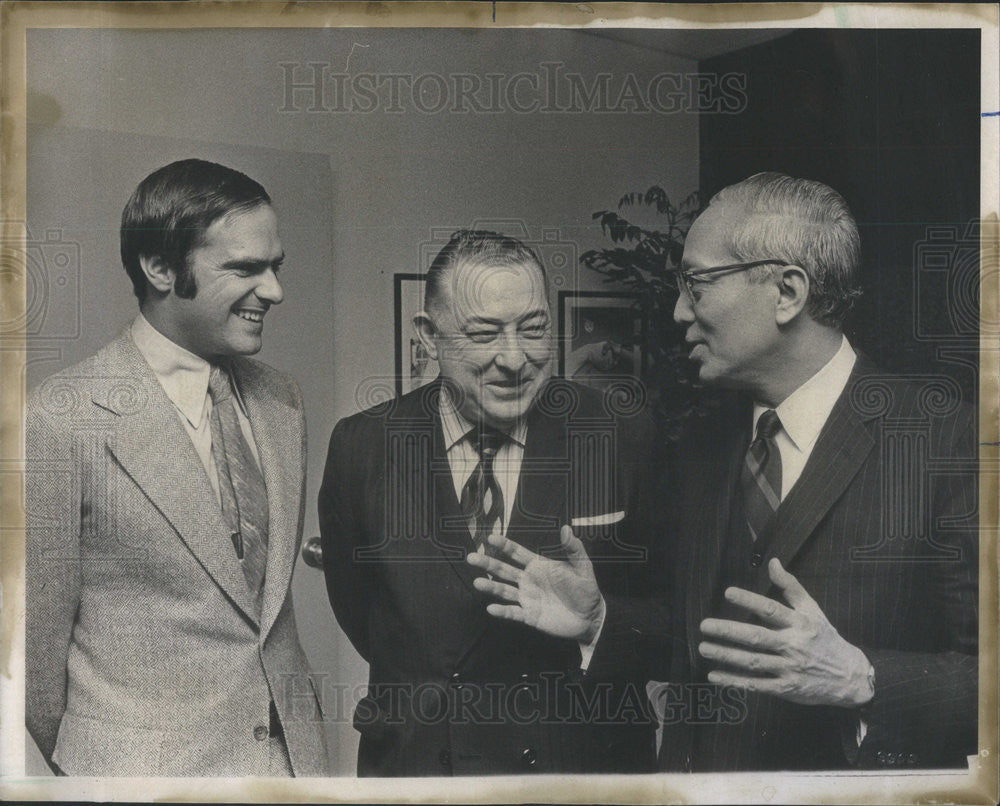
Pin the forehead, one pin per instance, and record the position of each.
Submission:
(496, 289)
(247, 232)
(707, 242)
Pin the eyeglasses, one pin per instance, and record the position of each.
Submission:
(686, 280)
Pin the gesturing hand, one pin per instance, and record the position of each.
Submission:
(558, 597)
(799, 657)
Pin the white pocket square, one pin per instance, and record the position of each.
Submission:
(598, 520)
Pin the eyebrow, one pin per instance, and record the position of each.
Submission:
(482, 320)
(259, 265)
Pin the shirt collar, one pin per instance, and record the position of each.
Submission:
(456, 427)
(182, 374)
(805, 411)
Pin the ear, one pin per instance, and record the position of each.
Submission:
(159, 276)
(793, 293)
(427, 333)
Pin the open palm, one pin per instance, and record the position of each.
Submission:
(557, 597)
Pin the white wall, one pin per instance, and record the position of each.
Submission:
(356, 193)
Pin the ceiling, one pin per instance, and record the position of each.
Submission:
(690, 43)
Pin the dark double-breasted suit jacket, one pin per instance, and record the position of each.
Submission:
(453, 690)
(882, 531)
(146, 653)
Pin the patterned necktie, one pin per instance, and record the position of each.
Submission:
(760, 477)
(482, 498)
(241, 485)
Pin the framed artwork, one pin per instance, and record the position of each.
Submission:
(414, 367)
(601, 334)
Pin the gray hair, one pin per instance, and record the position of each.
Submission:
(802, 222)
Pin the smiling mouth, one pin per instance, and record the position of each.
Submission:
(251, 315)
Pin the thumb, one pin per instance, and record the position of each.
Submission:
(795, 594)
(575, 552)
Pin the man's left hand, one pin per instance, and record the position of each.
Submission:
(797, 656)
(559, 597)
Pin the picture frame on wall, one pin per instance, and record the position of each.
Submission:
(601, 337)
(414, 367)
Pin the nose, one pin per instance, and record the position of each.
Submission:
(511, 354)
(269, 289)
(683, 313)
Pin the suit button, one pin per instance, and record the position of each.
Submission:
(911, 759)
(880, 757)
(445, 757)
(456, 680)
(687, 763)
(528, 758)
(260, 733)
(756, 559)
(890, 758)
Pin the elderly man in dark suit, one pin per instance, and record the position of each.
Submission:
(165, 482)
(494, 446)
(820, 610)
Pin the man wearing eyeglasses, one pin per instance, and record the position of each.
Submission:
(823, 606)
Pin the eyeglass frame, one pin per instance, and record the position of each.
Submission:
(717, 271)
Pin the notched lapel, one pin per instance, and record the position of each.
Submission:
(277, 432)
(152, 446)
(711, 528)
(541, 501)
(840, 451)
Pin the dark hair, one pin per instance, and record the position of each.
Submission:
(805, 223)
(479, 246)
(170, 210)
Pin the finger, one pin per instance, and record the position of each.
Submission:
(736, 632)
(575, 552)
(500, 590)
(794, 593)
(514, 551)
(765, 608)
(741, 660)
(761, 685)
(491, 565)
(509, 612)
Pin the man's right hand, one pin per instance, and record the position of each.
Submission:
(557, 597)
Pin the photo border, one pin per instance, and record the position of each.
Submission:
(978, 785)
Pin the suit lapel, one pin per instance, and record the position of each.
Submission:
(541, 500)
(449, 528)
(713, 483)
(843, 446)
(278, 436)
(152, 446)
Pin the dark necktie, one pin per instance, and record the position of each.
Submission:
(482, 498)
(760, 477)
(241, 485)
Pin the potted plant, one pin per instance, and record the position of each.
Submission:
(642, 261)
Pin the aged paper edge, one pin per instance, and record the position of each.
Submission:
(977, 785)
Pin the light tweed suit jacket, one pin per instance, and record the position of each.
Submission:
(146, 653)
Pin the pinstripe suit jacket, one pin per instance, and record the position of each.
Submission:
(146, 653)
(453, 690)
(882, 531)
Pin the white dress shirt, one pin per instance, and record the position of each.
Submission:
(184, 377)
(804, 413)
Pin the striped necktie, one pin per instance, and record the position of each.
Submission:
(760, 477)
(482, 498)
(241, 485)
